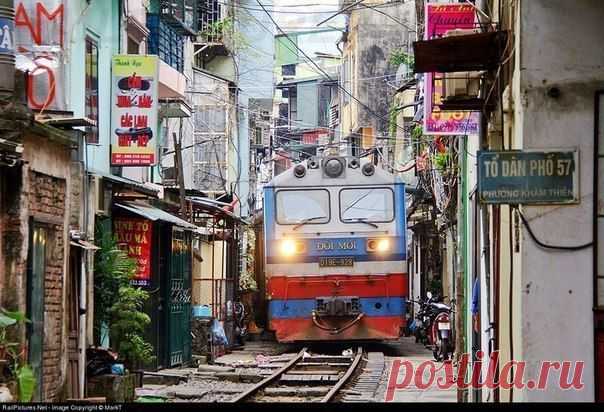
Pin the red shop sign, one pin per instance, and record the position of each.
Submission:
(134, 237)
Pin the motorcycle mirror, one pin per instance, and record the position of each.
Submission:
(429, 295)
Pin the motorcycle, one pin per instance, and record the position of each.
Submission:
(240, 321)
(432, 327)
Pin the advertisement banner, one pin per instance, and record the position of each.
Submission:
(134, 236)
(134, 103)
(440, 18)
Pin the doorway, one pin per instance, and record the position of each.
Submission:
(35, 303)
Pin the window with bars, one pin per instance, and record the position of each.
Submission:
(91, 91)
(209, 12)
(210, 119)
(288, 70)
(211, 148)
(258, 134)
(182, 10)
(166, 42)
(346, 80)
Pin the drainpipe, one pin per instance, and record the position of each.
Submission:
(7, 49)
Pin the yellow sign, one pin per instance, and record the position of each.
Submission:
(134, 110)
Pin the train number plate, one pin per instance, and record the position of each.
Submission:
(335, 261)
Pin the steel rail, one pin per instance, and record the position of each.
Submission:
(333, 391)
(262, 384)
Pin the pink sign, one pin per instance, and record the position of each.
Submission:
(440, 18)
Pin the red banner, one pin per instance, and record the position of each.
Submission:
(134, 237)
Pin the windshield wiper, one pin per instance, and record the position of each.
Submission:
(307, 220)
(357, 201)
(360, 220)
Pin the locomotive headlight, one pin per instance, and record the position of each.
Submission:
(383, 245)
(380, 245)
(288, 247)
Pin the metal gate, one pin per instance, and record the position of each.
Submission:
(179, 299)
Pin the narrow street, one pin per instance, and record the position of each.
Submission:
(300, 201)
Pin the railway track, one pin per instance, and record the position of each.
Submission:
(306, 378)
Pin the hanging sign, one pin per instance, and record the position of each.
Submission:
(440, 18)
(525, 177)
(134, 238)
(134, 110)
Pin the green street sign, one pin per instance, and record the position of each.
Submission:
(528, 177)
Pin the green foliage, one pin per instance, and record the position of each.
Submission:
(247, 281)
(399, 56)
(393, 114)
(113, 270)
(440, 161)
(26, 382)
(128, 324)
(20, 371)
(8, 319)
(118, 304)
(417, 132)
(218, 28)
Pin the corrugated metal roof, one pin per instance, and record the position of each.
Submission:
(211, 206)
(137, 186)
(153, 213)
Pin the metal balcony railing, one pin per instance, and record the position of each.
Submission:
(181, 15)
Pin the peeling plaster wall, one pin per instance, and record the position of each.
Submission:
(560, 44)
(378, 36)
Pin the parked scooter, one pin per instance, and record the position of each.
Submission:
(432, 326)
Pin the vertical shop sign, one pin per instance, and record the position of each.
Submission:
(134, 237)
(134, 110)
(39, 51)
(440, 18)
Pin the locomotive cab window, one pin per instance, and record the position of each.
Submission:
(374, 205)
(295, 207)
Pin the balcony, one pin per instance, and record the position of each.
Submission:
(172, 87)
(215, 28)
(181, 15)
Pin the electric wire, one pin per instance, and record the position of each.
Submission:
(367, 108)
(545, 245)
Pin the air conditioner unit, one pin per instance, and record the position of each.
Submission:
(461, 85)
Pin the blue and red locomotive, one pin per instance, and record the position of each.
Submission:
(335, 247)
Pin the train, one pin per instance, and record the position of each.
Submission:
(335, 251)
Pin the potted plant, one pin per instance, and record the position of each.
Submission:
(119, 317)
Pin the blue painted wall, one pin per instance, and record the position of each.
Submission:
(99, 20)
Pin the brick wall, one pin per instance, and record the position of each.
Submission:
(47, 196)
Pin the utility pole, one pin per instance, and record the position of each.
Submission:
(181, 172)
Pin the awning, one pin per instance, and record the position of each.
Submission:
(211, 207)
(471, 52)
(136, 186)
(83, 244)
(154, 214)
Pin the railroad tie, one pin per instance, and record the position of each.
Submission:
(365, 386)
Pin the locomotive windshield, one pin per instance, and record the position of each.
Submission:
(302, 206)
(366, 205)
